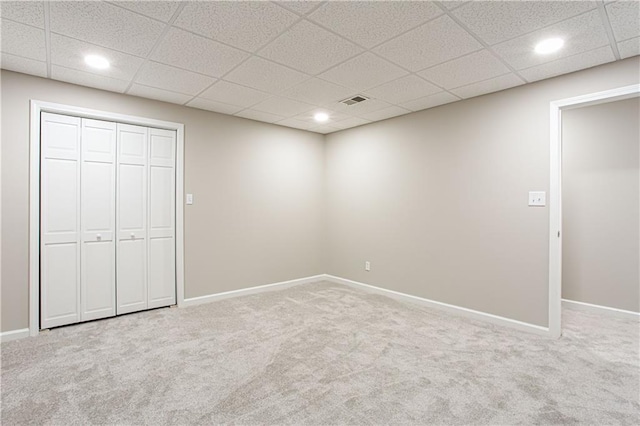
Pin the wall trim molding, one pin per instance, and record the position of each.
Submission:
(7, 336)
(37, 107)
(458, 310)
(192, 301)
(599, 309)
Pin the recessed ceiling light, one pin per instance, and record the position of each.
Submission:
(96, 61)
(321, 117)
(549, 45)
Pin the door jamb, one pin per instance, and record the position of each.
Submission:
(36, 107)
(555, 190)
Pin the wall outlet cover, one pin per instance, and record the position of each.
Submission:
(537, 198)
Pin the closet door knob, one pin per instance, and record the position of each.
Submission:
(99, 237)
(133, 236)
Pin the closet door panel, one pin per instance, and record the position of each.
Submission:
(162, 276)
(132, 218)
(59, 220)
(98, 177)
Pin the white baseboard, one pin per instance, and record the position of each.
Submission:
(588, 307)
(469, 313)
(251, 290)
(7, 336)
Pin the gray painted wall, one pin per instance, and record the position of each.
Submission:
(437, 200)
(601, 205)
(257, 212)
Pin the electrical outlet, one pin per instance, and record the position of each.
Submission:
(367, 266)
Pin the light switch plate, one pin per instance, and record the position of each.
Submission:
(537, 198)
(189, 198)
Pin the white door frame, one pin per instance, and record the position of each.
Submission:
(34, 193)
(555, 191)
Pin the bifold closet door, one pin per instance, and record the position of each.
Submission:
(162, 208)
(98, 211)
(131, 218)
(59, 220)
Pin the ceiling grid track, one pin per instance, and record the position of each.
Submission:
(481, 41)
(607, 28)
(155, 46)
(47, 37)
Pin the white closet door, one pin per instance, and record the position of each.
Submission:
(132, 218)
(98, 201)
(162, 207)
(60, 220)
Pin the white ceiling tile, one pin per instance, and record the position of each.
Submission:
(214, 106)
(301, 7)
(231, 93)
(189, 51)
(350, 122)
(435, 42)
(265, 75)
(22, 40)
(488, 86)
(247, 25)
(624, 17)
(474, 67)
(260, 116)
(383, 114)
(105, 25)
(173, 79)
(323, 128)
(316, 91)
(26, 12)
(496, 21)
(158, 94)
(23, 65)
(572, 63)
(282, 106)
(295, 123)
(430, 101)
(309, 48)
(629, 48)
(403, 89)
(358, 109)
(371, 23)
(363, 72)
(87, 79)
(161, 10)
(580, 34)
(70, 53)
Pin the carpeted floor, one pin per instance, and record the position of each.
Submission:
(321, 353)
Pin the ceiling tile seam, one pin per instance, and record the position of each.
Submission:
(47, 37)
(141, 14)
(23, 57)
(303, 14)
(95, 44)
(308, 18)
(370, 50)
(606, 23)
(539, 28)
(162, 35)
(482, 81)
(94, 74)
(253, 55)
(166, 90)
(566, 57)
(481, 41)
(23, 23)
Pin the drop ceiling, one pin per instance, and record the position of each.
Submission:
(280, 62)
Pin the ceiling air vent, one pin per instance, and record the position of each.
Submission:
(354, 100)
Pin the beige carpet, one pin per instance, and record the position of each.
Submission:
(321, 353)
